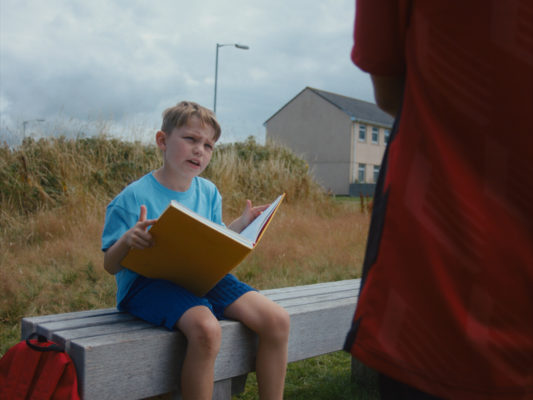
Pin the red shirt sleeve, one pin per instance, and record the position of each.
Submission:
(379, 36)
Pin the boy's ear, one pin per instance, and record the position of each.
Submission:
(161, 140)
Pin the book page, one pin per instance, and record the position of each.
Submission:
(252, 231)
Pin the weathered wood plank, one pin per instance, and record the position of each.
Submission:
(318, 299)
(63, 337)
(222, 390)
(87, 322)
(120, 357)
(351, 285)
(73, 315)
(136, 365)
(28, 324)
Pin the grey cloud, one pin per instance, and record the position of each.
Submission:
(127, 60)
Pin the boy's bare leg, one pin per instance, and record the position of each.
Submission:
(203, 334)
(272, 324)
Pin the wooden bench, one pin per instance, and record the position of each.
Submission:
(118, 356)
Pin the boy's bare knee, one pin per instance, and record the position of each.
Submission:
(284, 322)
(278, 324)
(206, 333)
(203, 332)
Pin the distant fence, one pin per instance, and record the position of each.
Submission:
(365, 189)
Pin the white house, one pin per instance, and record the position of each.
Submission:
(342, 139)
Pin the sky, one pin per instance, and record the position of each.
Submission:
(80, 67)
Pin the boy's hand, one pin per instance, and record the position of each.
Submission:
(248, 215)
(138, 237)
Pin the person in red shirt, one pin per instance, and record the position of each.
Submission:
(446, 304)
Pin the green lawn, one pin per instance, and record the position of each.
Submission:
(326, 377)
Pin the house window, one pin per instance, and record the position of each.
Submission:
(376, 173)
(375, 135)
(361, 173)
(387, 134)
(362, 133)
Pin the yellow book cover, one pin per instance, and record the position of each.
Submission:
(193, 251)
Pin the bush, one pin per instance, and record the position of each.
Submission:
(52, 172)
(260, 172)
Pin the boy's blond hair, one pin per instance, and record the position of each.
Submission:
(181, 113)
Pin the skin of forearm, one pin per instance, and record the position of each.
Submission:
(114, 256)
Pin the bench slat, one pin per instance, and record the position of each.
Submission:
(87, 322)
(316, 299)
(63, 337)
(328, 287)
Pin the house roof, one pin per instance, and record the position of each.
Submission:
(358, 110)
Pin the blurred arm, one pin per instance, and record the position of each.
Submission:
(388, 92)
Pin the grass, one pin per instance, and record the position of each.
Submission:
(53, 194)
(325, 377)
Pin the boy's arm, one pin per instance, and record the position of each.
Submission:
(249, 214)
(137, 237)
(115, 254)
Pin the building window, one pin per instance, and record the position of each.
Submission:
(375, 135)
(387, 135)
(362, 133)
(361, 172)
(376, 173)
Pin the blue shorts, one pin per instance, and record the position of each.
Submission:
(163, 303)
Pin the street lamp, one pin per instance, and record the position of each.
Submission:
(24, 123)
(239, 46)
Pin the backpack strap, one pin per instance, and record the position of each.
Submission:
(48, 377)
(37, 369)
(46, 345)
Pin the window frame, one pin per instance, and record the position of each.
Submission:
(362, 130)
(375, 135)
(386, 136)
(376, 172)
(361, 168)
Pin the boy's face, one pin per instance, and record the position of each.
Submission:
(188, 149)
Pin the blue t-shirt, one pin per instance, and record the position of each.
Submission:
(123, 212)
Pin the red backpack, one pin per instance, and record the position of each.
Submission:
(37, 369)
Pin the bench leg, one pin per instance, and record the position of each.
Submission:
(222, 390)
(237, 384)
(365, 379)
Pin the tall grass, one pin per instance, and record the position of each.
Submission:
(53, 194)
(246, 169)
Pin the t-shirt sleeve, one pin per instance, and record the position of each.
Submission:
(379, 36)
(217, 207)
(118, 220)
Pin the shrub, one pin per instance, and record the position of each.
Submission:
(53, 172)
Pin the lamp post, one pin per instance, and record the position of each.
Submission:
(25, 123)
(239, 46)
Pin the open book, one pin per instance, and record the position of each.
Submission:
(193, 251)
